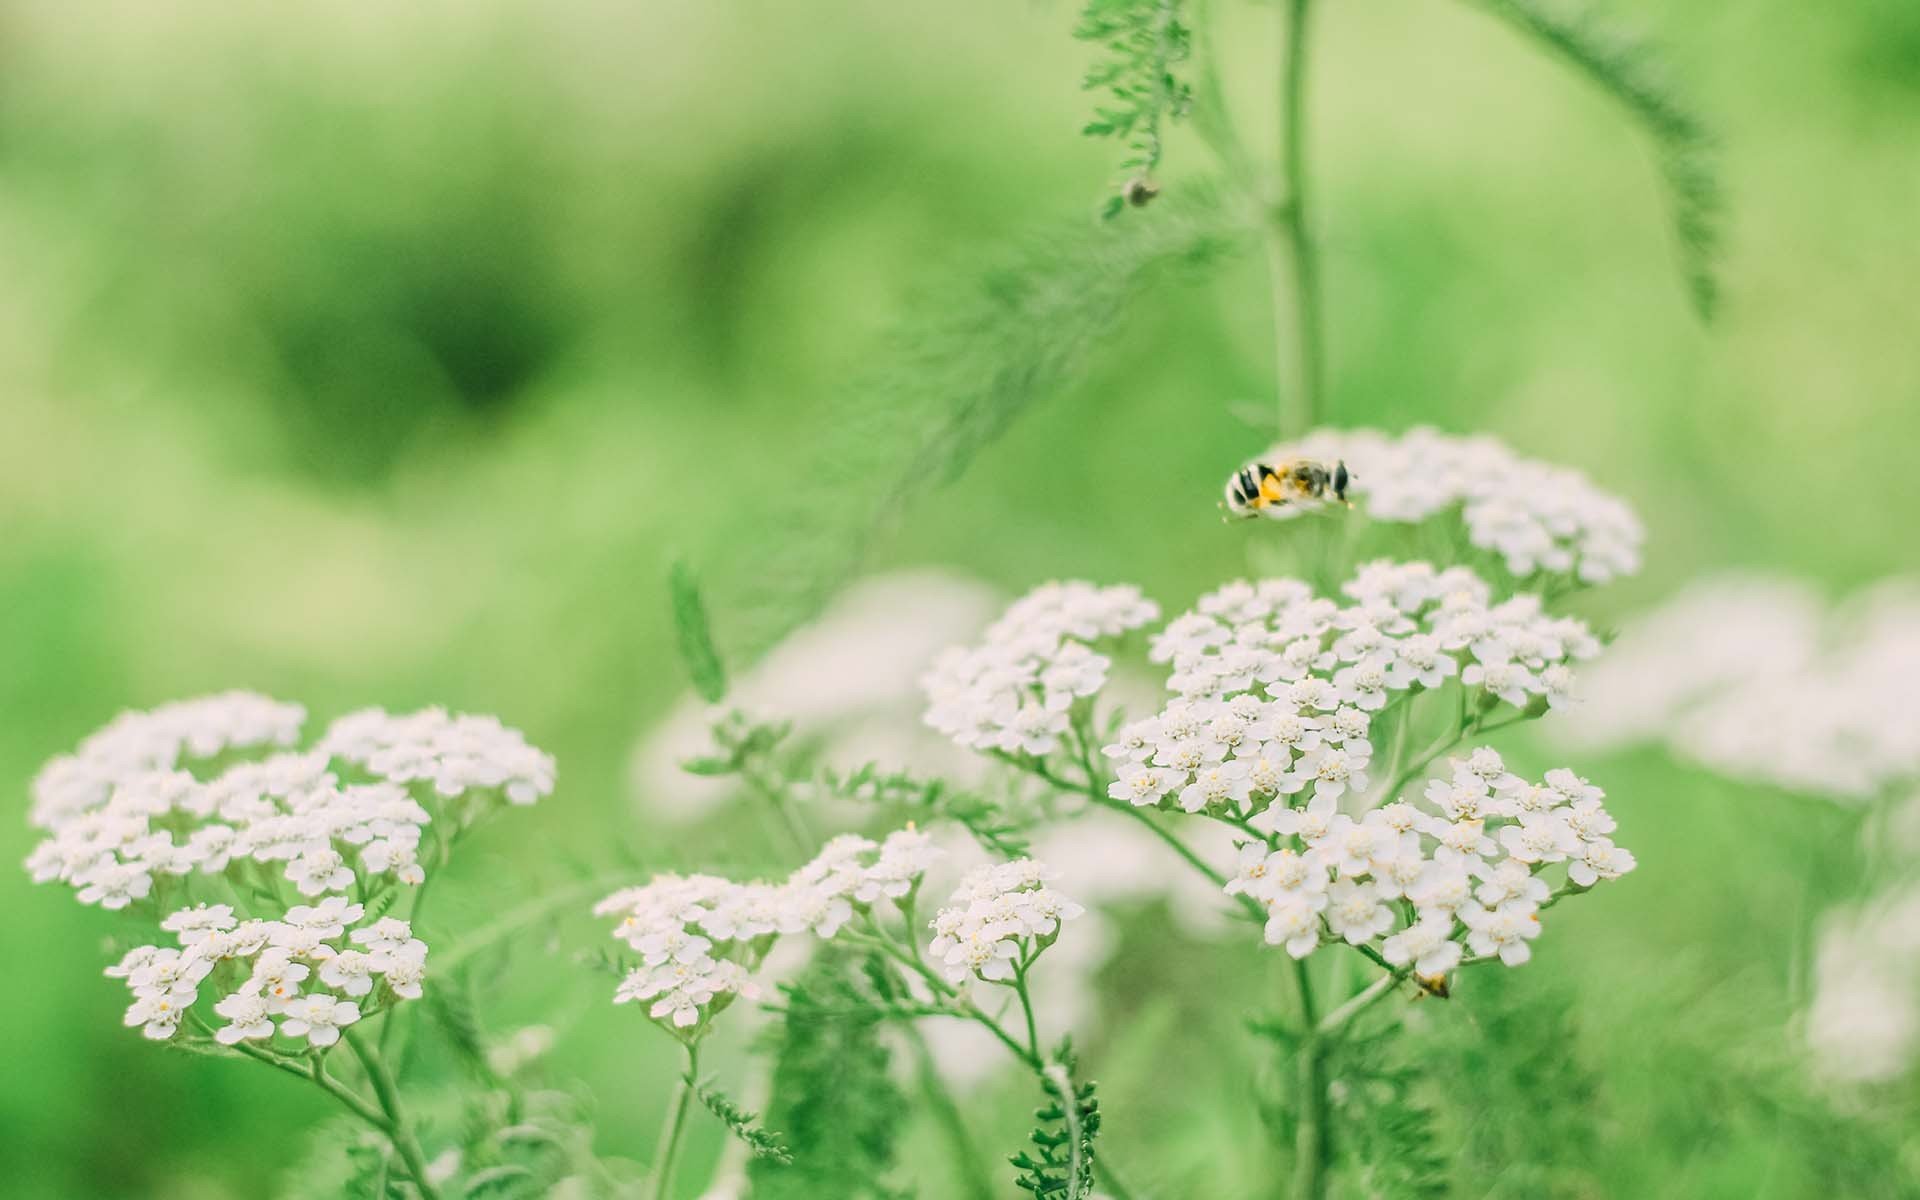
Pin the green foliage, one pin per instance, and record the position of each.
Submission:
(1630, 72)
(1143, 42)
(382, 904)
(1532, 1119)
(956, 374)
(1061, 1162)
(1386, 1134)
(342, 1160)
(742, 746)
(456, 1014)
(760, 1142)
(833, 1090)
(694, 635)
(932, 800)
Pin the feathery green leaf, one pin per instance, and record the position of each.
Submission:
(759, 1141)
(1144, 43)
(833, 1091)
(953, 379)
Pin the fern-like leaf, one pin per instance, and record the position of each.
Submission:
(1143, 43)
(1060, 1164)
(932, 800)
(759, 1141)
(1629, 70)
(1391, 1136)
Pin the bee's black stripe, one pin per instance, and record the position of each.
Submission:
(1248, 485)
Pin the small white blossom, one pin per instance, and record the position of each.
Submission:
(317, 1017)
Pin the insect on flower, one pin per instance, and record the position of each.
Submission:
(1294, 485)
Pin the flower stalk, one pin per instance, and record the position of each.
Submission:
(1293, 267)
(673, 1130)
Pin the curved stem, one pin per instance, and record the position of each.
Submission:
(667, 1155)
(1090, 788)
(399, 1131)
(1291, 258)
(1358, 1003)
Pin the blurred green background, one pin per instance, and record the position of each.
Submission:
(381, 353)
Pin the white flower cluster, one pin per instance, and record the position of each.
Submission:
(164, 798)
(1760, 685)
(1277, 689)
(311, 970)
(1427, 885)
(1534, 515)
(699, 937)
(1013, 692)
(1864, 1023)
(998, 921)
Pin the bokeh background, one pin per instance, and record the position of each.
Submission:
(385, 353)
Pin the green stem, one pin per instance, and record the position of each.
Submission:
(667, 1155)
(1360, 1002)
(1441, 745)
(1026, 1007)
(1310, 1134)
(442, 850)
(1291, 260)
(967, 1163)
(1090, 788)
(963, 1005)
(399, 1131)
(774, 792)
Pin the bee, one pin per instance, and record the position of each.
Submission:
(1433, 985)
(1259, 486)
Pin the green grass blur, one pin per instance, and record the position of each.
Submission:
(382, 354)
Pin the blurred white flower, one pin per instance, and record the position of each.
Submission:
(1864, 1023)
(1748, 677)
(850, 677)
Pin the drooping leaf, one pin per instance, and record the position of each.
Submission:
(1629, 70)
(695, 635)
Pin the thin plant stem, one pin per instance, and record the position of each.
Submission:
(1310, 1086)
(973, 1178)
(1356, 1004)
(443, 850)
(1026, 1008)
(399, 1130)
(1291, 260)
(1090, 787)
(667, 1155)
(773, 792)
